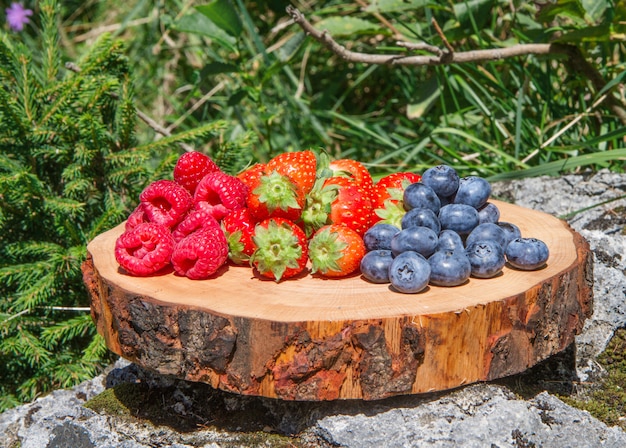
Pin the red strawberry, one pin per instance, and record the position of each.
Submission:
(387, 196)
(336, 251)
(191, 167)
(352, 206)
(195, 220)
(282, 250)
(219, 193)
(165, 202)
(300, 166)
(275, 195)
(145, 249)
(337, 200)
(201, 254)
(239, 227)
(251, 175)
(354, 170)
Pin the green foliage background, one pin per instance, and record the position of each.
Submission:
(239, 82)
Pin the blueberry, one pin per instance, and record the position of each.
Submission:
(443, 179)
(450, 240)
(488, 213)
(510, 230)
(409, 272)
(449, 268)
(461, 218)
(419, 195)
(487, 231)
(421, 217)
(417, 239)
(527, 253)
(486, 258)
(474, 191)
(379, 236)
(375, 265)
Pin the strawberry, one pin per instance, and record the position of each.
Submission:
(251, 175)
(300, 166)
(165, 202)
(352, 207)
(191, 167)
(219, 193)
(145, 249)
(336, 251)
(387, 194)
(275, 195)
(200, 254)
(354, 170)
(238, 227)
(282, 250)
(337, 200)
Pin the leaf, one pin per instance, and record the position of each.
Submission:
(347, 26)
(201, 25)
(615, 81)
(595, 9)
(216, 68)
(223, 14)
(570, 8)
(237, 97)
(600, 33)
(395, 5)
(430, 91)
(563, 165)
(477, 9)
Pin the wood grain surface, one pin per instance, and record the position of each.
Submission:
(311, 338)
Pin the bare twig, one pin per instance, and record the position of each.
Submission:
(574, 58)
(442, 36)
(415, 60)
(421, 46)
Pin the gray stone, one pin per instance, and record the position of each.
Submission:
(476, 416)
(479, 415)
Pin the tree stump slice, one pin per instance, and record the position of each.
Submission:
(324, 339)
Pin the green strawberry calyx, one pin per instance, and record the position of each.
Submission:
(277, 191)
(236, 247)
(278, 248)
(318, 206)
(325, 251)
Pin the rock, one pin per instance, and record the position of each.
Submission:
(147, 410)
(476, 416)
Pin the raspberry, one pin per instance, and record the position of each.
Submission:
(200, 254)
(136, 217)
(145, 249)
(195, 220)
(219, 193)
(191, 167)
(165, 202)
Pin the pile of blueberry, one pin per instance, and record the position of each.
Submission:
(450, 231)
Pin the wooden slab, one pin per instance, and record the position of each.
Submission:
(318, 339)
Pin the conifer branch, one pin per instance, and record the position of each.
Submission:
(156, 127)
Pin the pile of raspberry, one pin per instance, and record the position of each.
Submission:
(177, 222)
